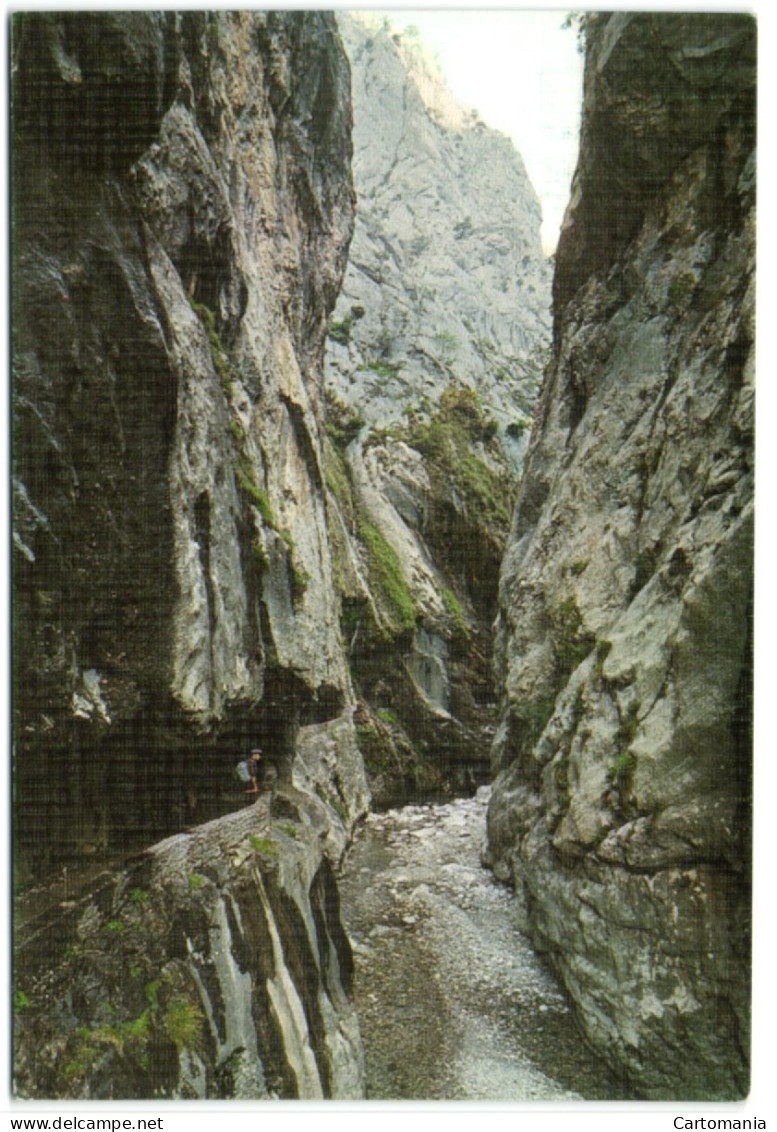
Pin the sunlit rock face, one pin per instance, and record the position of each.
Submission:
(182, 211)
(621, 804)
(446, 278)
(213, 966)
(434, 356)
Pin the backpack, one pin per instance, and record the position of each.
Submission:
(243, 770)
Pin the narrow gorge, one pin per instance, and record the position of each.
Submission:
(303, 463)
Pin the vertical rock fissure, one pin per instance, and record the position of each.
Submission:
(433, 359)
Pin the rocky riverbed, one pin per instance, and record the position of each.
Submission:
(452, 1000)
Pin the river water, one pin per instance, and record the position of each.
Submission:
(452, 1000)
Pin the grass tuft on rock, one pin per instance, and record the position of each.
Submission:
(183, 1023)
(264, 845)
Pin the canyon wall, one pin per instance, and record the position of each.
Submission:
(182, 208)
(446, 277)
(621, 806)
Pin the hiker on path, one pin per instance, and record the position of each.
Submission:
(256, 759)
(249, 770)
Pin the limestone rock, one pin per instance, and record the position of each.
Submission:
(213, 966)
(621, 803)
(446, 277)
(183, 207)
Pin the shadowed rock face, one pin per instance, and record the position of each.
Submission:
(621, 803)
(213, 966)
(182, 211)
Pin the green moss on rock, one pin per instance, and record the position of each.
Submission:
(221, 361)
(571, 641)
(447, 441)
(386, 577)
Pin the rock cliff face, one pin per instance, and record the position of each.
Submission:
(433, 361)
(182, 210)
(213, 966)
(446, 279)
(182, 205)
(621, 803)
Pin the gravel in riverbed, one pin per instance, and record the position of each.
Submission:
(453, 1002)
